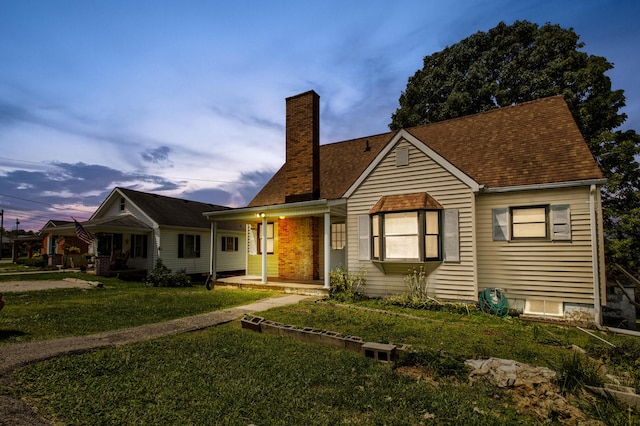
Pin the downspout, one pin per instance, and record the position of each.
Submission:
(327, 248)
(264, 248)
(595, 259)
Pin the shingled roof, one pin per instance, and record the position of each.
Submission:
(532, 143)
(169, 211)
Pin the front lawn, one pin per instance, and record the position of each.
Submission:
(37, 315)
(227, 375)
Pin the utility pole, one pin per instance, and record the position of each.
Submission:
(1, 231)
(16, 250)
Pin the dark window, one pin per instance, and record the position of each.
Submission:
(139, 246)
(229, 244)
(188, 246)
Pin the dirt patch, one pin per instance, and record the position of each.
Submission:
(20, 286)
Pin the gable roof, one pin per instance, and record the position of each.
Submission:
(169, 211)
(532, 143)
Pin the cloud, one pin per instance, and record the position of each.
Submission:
(156, 155)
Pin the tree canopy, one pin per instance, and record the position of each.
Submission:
(511, 64)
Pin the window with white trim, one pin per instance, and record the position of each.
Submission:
(338, 235)
(229, 244)
(407, 236)
(541, 222)
(529, 222)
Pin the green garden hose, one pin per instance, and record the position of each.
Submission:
(494, 302)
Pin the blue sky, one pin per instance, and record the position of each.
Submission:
(186, 98)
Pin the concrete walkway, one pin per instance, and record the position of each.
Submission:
(17, 355)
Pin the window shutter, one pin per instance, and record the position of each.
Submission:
(501, 224)
(560, 222)
(235, 244)
(180, 245)
(144, 246)
(197, 245)
(364, 238)
(223, 244)
(451, 236)
(251, 240)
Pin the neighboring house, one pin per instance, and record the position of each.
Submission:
(56, 244)
(137, 228)
(508, 199)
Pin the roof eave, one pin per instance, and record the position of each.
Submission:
(303, 208)
(552, 185)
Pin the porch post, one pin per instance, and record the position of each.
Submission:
(264, 249)
(212, 258)
(327, 248)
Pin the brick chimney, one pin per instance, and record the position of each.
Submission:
(303, 147)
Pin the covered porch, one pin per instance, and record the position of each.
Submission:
(288, 245)
(120, 243)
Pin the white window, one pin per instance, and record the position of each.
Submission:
(229, 244)
(338, 235)
(547, 222)
(413, 235)
(529, 222)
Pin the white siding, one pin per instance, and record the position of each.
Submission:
(454, 281)
(231, 260)
(169, 251)
(542, 270)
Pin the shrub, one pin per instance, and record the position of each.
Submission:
(346, 287)
(160, 276)
(417, 296)
(35, 262)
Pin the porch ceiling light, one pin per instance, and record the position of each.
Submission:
(261, 214)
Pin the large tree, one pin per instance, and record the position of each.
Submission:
(510, 64)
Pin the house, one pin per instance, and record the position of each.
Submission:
(133, 229)
(54, 244)
(506, 199)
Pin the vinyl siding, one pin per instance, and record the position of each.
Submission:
(231, 260)
(549, 270)
(169, 252)
(451, 281)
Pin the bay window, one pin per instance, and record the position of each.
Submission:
(412, 235)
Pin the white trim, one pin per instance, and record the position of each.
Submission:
(595, 259)
(305, 208)
(403, 134)
(327, 248)
(264, 249)
(554, 185)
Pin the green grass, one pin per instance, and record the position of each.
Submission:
(37, 315)
(231, 376)
(226, 375)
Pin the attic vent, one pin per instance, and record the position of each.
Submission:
(402, 157)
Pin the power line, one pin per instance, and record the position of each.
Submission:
(133, 174)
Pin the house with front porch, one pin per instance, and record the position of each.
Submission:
(507, 199)
(132, 229)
